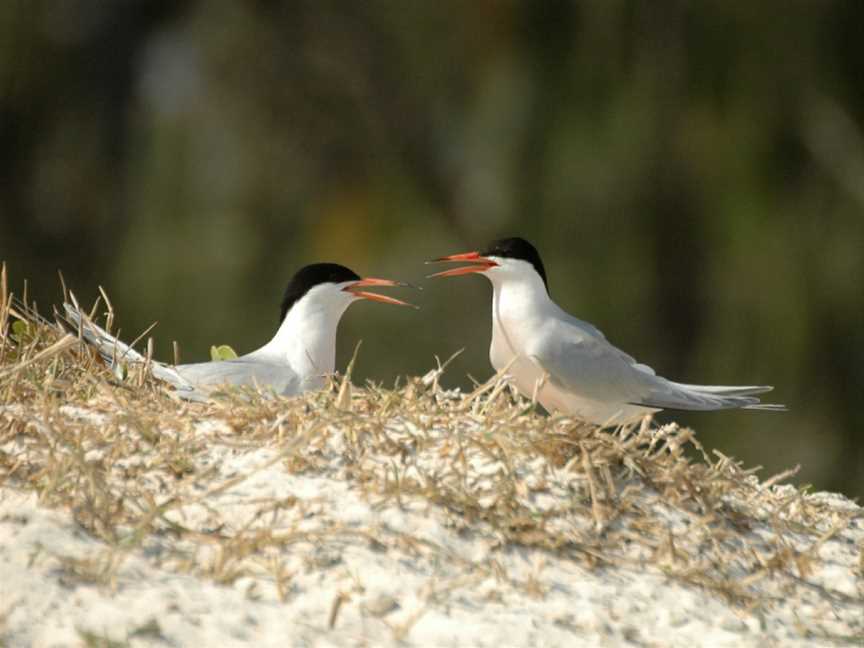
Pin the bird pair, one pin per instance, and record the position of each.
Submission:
(563, 362)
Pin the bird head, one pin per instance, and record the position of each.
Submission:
(502, 259)
(330, 285)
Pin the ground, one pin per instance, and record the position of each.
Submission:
(415, 516)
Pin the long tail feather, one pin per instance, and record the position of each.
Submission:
(670, 395)
(109, 347)
(724, 390)
(114, 350)
(768, 407)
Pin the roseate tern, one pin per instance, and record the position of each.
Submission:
(567, 363)
(296, 360)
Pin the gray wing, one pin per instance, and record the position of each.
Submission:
(242, 372)
(583, 362)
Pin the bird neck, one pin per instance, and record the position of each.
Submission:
(517, 305)
(306, 339)
(519, 297)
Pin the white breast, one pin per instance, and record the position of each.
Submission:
(506, 349)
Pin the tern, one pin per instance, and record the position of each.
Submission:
(567, 364)
(296, 360)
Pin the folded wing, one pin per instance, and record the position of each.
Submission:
(587, 364)
(243, 372)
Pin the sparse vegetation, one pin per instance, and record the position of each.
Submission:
(136, 468)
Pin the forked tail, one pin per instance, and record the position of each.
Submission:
(672, 395)
(114, 350)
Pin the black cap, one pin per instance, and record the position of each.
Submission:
(310, 276)
(518, 248)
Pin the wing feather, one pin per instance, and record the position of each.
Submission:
(586, 364)
(242, 372)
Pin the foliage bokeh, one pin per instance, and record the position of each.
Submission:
(693, 174)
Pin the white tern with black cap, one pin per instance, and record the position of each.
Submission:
(568, 363)
(296, 360)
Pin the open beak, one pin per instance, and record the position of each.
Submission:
(478, 264)
(356, 290)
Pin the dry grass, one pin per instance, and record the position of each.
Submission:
(129, 460)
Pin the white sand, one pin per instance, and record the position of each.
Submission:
(412, 574)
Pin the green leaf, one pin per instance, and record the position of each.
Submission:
(20, 329)
(222, 352)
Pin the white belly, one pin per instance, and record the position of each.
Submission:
(555, 399)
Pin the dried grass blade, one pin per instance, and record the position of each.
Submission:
(61, 345)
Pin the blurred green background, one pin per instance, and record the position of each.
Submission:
(692, 173)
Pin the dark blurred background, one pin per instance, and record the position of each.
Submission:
(692, 172)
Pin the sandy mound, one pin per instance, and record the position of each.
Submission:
(415, 516)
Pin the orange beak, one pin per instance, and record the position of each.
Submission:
(355, 287)
(480, 264)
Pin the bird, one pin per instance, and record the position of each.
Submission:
(298, 357)
(567, 364)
